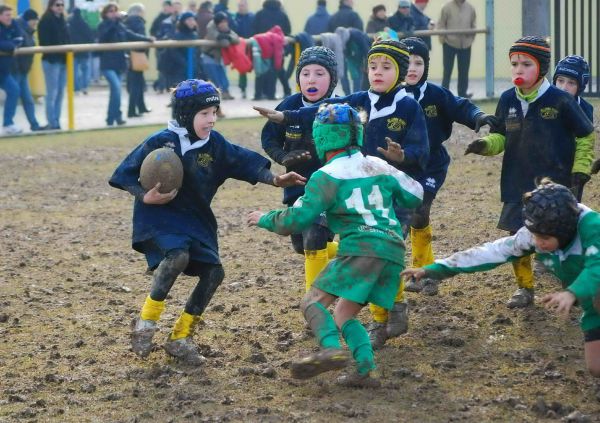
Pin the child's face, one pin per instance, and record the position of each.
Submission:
(416, 68)
(567, 84)
(314, 82)
(382, 73)
(204, 121)
(524, 71)
(546, 243)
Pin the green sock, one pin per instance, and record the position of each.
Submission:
(357, 338)
(323, 326)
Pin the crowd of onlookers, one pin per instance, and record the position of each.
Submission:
(248, 41)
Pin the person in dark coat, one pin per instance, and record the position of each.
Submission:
(167, 10)
(203, 17)
(421, 20)
(27, 24)
(10, 38)
(136, 84)
(401, 21)
(378, 21)
(318, 22)
(244, 23)
(52, 30)
(81, 33)
(345, 17)
(114, 63)
(223, 6)
(176, 59)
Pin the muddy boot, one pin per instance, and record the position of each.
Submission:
(397, 323)
(413, 285)
(356, 380)
(522, 297)
(430, 286)
(320, 362)
(377, 334)
(184, 349)
(142, 332)
(539, 269)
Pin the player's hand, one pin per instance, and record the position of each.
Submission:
(596, 167)
(294, 157)
(416, 273)
(272, 115)
(289, 179)
(394, 152)
(253, 217)
(476, 147)
(484, 119)
(560, 302)
(155, 197)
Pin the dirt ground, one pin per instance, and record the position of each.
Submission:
(70, 284)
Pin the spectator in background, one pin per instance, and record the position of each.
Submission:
(457, 14)
(203, 17)
(169, 25)
(81, 33)
(167, 10)
(401, 21)
(10, 38)
(114, 63)
(136, 84)
(27, 24)
(192, 7)
(421, 20)
(218, 30)
(223, 6)
(176, 59)
(318, 22)
(378, 21)
(52, 31)
(345, 17)
(244, 22)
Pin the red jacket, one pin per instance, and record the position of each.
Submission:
(236, 55)
(271, 43)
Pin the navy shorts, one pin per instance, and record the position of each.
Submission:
(156, 249)
(432, 180)
(591, 335)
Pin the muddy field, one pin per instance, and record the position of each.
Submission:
(70, 285)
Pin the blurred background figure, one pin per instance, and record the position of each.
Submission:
(378, 21)
(81, 33)
(136, 84)
(318, 22)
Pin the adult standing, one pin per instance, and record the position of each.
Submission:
(155, 31)
(457, 14)
(52, 31)
(10, 38)
(27, 24)
(318, 22)
(136, 84)
(401, 21)
(203, 17)
(81, 33)
(378, 20)
(421, 20)
(223, 6)
(114, 63)
(345, 17)
(218, 30)
(244, 22)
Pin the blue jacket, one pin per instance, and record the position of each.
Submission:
(421, 22)
(113, 31)
(400, 23)
(11, 37)
(271, 15)
(244, 25)
(318, 22)
(23, 63)
(346, 18)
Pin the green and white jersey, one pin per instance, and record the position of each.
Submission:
(357, 193)
(577, 265)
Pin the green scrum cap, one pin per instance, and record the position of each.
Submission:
(337, 126)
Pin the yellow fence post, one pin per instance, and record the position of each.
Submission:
(71, 89)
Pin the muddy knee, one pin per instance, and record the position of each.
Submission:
(170, 267)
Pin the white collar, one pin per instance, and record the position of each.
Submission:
(184, 140)
(386, 111)
(422, 92)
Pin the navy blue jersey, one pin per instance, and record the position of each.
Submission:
(541, 143)
(587, 108)
(277, 140)
(395, 115)
(205, 169)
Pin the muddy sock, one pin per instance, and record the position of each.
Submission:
(152, 309)
(357, 338)
(184, 326)
(420, 241)
(523, 272)
(323, 326)
(380, 314)
(400, 293)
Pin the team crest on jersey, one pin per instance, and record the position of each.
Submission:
(431, 111)
(549, 113)
(204, 160)
(396, 124)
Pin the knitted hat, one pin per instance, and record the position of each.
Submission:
(536, 48)
(323, 56)
(378, 8)
(551, 209)
(575, 67)
(417, 46)
(186, 15)
(397, 52)
(30, 15)
(336, 126)
(404, 3)
(191, 96)
(219, 17)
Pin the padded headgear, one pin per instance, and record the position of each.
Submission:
(575, 67)
(323, 56)
(191, 96)
(551, 209)
(417, 46)
(336, 126)
(397, 52)
(535, 47)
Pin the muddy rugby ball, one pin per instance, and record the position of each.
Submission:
(164, 166)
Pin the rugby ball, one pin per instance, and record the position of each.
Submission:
(164, 166)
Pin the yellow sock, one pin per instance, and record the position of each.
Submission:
(380, 314)
(332, 249)
(184, 326)
(523, 272)
(314, 262)
(152, 309)
(400, 294)
(422, 252)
